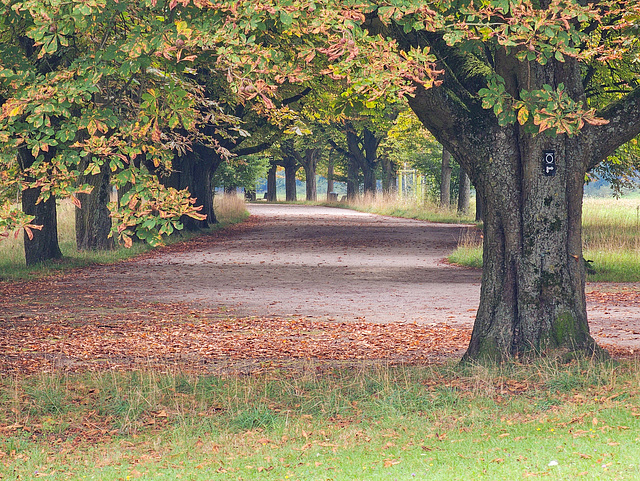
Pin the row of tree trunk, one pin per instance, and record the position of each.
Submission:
(464, 187)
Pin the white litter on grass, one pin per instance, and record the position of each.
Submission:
(553, 463)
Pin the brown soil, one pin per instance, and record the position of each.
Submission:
(293, 282)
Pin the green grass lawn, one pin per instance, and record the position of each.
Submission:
(452, 422)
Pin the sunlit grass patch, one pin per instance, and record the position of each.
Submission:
(449, 422)
(411, 208)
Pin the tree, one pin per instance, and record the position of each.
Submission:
(464, 192)
(88, 88)
(409, 145)
(445, 179)
(512, 108)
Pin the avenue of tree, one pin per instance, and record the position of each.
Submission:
(161, 98)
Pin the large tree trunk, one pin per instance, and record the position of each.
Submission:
(533, 278)
(291, 194)
(365, 154)
(330, 174)
(445, 179)
(464, 192)
(532, 298)
(44, 244)
(310, 163)
(353, 185)
(194, 171)
(290, 164)
(93, 218)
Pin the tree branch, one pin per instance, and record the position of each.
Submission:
(623, 126)
(256, 149)
(296, 97)
(337, 148)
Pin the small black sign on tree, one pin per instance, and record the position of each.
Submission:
(549, 163)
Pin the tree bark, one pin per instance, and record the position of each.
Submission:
(445, 179)
(290, 164)
(532, 297)
(479, 206)
(389, 177)
(353, 185)
(271, 183)
(310, 163)
(93, 218)
(291, 194)
(44, 244)
(464, 192)
(364, 152)
(194, 171)
(330, 175)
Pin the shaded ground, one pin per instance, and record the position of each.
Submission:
(293, 282)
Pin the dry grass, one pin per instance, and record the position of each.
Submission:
(412, 208)
(611, 236)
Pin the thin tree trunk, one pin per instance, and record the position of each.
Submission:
(479, 206)
(389, 177)
(271, 183)
(464, 192)
(445, 179)
(93, 221)
(330, 175)
(353, 187)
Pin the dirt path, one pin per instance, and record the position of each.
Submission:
(328, 281)
(319, 262)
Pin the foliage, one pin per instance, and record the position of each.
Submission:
(102, 81)
(117, 81)
(241, 172)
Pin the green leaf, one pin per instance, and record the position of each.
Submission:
(286, 18)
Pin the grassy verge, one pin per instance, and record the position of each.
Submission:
(229, 210)
(411, 209)
(446, 423)
(611, 235)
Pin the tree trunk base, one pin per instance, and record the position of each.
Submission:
(588, 350)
